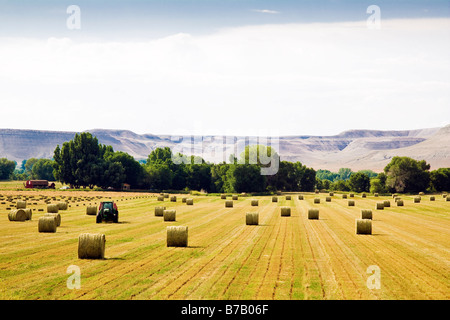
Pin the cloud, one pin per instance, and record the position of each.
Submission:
(319, 78)
(266, 11)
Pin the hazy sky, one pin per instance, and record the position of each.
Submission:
(225, 67)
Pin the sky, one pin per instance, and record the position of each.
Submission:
(213, 67)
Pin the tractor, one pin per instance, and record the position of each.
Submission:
(108, 211)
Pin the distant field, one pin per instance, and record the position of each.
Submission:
(281, 258)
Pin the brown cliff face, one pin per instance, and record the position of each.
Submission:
(355, 149)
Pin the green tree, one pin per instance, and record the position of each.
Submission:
(359, 182)
(405, 174)
(245, 178)
(440, 179)
(344, 174)
(43, 170)
(377, 186)
(6, 168)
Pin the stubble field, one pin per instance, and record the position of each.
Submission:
(282, 258)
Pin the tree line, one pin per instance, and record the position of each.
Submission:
(84, 162)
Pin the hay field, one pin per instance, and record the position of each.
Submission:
(284, 257)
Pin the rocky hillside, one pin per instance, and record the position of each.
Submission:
(355, 149)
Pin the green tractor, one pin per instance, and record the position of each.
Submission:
(108, 211)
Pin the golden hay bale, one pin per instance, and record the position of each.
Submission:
(160, 198)
(177, 236)
(57, 217)
(375, 194)
(62, 205)
(169, 215)
(17, 215)
(366, 214)
(300, 197)
(223, 196)
(364, 195)
(183, 200)
(328, 199)
(421, 193)
(166, 195)
(316, 200)
(29, 213)
(288, 197)
(399, 203)
(444, 195)
(251, 218)
(351, 203)
(344, 196)
(173, 198)
(159, 211)
(91, 210)
(274, 199)
(363, 226)
(331, 194)
(234, 197)
(21, 204)
(52, 208)
(228, 203)
(417, 200)
(285, 211)
(380, 206)
(313, 214)
(352, 195)
(47, 224)
(190, 202)
(255, 202)
(432, 198)
(447, 198)
(91, 246)
(386, 203)
(279, 193)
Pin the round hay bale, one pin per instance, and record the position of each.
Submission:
(444, 195)
(352, 195)
(331, 194)
(288, 197)
(328, 199)
(417, 200)
(316, 200)
(234, 197)
(166, 195)
(190, 202)
(91, 246)
(17, 215)
(29, 213)
(274, 199)
(169, 215)
(62, 205)
(313, 214)
(278, 193)
(47, 224)
(159, 211)
(432, 198)
(386, 203)
(251, 218)
(21, 204)
(255, 202)
(91, 210)
(447, 199)
(223, 196)
(228, 203)
(366, 214)
(351, 203)
(421, 193)
(364, 195)
(300, 197)
(183, 200)
(173, 198)
(160, 198)
(375, 195)
(57, 217)
(344, 196)
(285, 211)
(177, 236)
(379, 206)
(399, 203)
(363, 226)
(52, 208)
